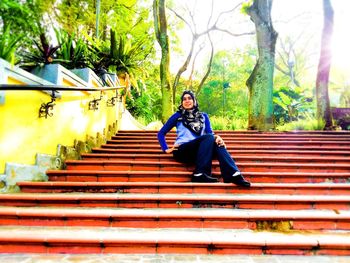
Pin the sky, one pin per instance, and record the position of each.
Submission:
(303, 18)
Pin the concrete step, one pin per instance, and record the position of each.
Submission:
(229, 201)
(247, 133)
(237, 157)
(134, 165)
(156, 241)
(185, 176)
(277, 137)
(234, 151)
(261, 220)
(275, 147)
(239, 141)
(185, 188)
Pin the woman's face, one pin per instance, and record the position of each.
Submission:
(187, 102)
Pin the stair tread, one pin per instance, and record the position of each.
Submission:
(170, 236)
(232, 151)
(245, 141)
(174, 213)
(236, 157)
(142, 172)
(239, 146)
(172, 162)
(180, 184)
(175, 197)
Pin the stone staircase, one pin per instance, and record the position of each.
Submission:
(129, 197)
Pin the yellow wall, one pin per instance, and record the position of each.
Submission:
(23, 133)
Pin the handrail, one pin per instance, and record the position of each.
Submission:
(46, 108)
(54, 87)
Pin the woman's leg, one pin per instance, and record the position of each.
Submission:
(198, 151)
(227, 165)
(229, 170)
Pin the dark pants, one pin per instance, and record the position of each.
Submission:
(201, 152)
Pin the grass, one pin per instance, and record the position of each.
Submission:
(225, 123)
(307, 124)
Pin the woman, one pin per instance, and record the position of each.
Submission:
(196, 143)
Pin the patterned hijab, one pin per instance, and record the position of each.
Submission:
(192, 119)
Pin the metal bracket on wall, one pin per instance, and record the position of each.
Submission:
(46, 108)
(93, 105)
(112, 101)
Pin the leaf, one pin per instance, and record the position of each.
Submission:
(285, 99)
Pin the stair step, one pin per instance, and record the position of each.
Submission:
(117, 200)
(232, 142)
(185, 188)
(233, 152)
(210, 241)
(237, 157)
(268, 137)
(275, 147)
(181, 176)
(246, 132)
(282, 220)
(134, 165)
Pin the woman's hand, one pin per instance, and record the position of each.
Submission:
(219, 141)
(170, 150)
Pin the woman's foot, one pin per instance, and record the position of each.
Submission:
(239, 180)
(203, 178)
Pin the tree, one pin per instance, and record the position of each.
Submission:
(260, 82)
(211, 26)
(160, 26)
(324, 115)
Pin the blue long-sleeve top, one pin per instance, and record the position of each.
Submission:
(183, 134)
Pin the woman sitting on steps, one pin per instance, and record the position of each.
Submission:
(196, 143)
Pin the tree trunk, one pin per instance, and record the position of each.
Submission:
(324, 115)
(260, 82)
(160, 25)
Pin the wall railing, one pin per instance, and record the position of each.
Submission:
(45, 109)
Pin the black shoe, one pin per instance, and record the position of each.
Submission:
(240, 181)
(204, 178)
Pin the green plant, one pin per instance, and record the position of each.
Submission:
(43, 54)
(123, 55)
(307, 122)
(73, 51)
(9, 44)
(290, 103)
(145, 105)
(226, 123)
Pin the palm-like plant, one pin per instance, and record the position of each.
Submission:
(44, 54)
(73, 52)
(125, 55)
(8, 44)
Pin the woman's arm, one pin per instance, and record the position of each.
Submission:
(171, 123)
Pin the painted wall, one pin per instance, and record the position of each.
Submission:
(23, 134)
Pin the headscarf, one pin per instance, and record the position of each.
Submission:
(192, 119)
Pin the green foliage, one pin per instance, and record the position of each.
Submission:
(19, 15)
(73, 50)
(145, 105)
(233, 68)
(307, 122)
(9, 44)
(290, 103)
(123, 55)
(245, 6)
(226, 123)
(44, 53)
